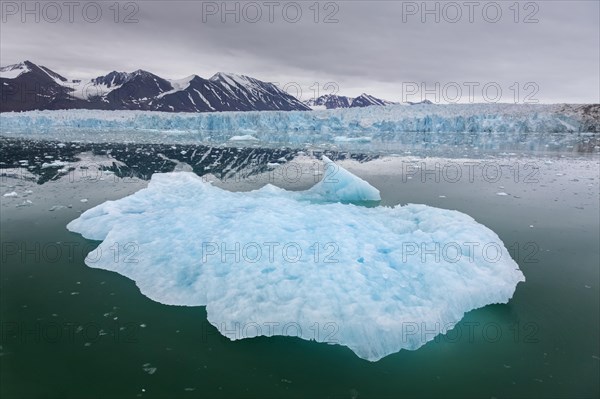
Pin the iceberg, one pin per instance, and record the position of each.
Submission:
(310, 264)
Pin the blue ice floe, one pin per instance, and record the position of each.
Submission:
(306, 264)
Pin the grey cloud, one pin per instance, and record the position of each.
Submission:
(369, 50)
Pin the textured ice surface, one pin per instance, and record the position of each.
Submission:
(422, 129)
(274, 262)
(339, 123)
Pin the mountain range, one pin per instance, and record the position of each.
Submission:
(333, 101)
(27, 86)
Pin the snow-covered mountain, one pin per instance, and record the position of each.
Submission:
(27, 86)
(252, 94)
(330, 101)
(424, 102)
(366, 100)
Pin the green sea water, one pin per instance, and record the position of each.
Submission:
(70, 331)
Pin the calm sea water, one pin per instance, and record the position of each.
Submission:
(70, 331)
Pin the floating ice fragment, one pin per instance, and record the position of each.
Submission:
(148, 369)
(54, 164)
(352, 270)
(363, 139)
(245, 137)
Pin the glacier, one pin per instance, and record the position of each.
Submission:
(376, 122)
(310, 264)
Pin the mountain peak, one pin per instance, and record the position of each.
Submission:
(365, 100)
(424, 102)
(143, 90)
(330, 101)
(141, 72)
(233, 79)
(15, 70)
(226, 75)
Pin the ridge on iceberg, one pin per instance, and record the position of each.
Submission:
(274, 262)
(340, 185)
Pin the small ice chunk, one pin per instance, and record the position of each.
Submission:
(245, 137)
(24, 203)
(147, 367)
(54, 164)
(12, 194)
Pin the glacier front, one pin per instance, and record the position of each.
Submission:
(309, 264)
(334, 125)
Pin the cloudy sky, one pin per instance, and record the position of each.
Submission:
(546, 51)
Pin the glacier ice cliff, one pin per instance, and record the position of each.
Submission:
(326, 125)
(275, 262)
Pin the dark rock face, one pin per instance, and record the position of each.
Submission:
(34, 88)
(331, 101)
(27, 86)
(365, 100)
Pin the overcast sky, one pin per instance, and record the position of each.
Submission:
(546, 50)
